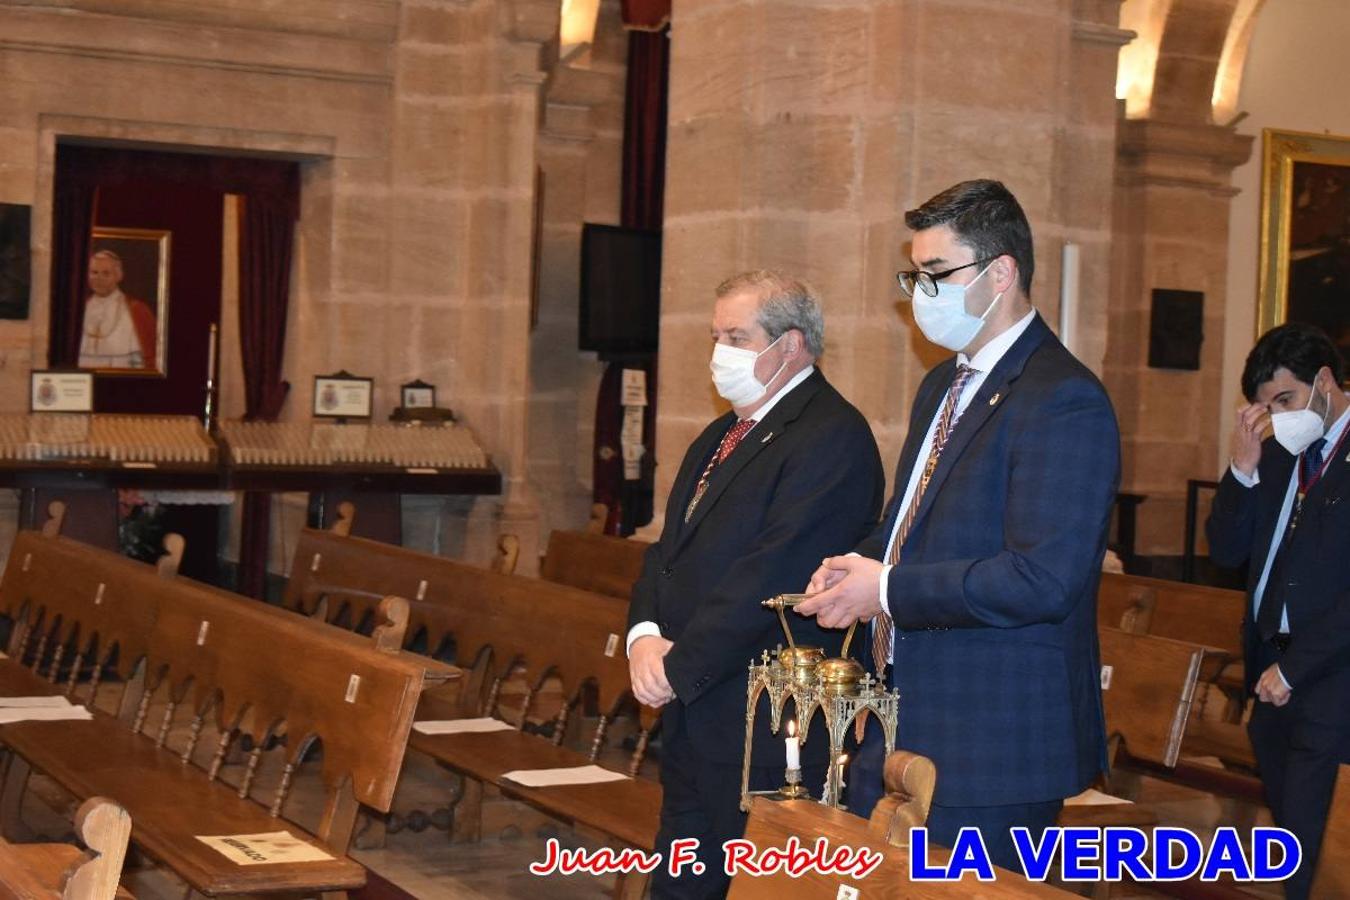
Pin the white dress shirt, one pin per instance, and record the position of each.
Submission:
(983, 363)
(643, 629)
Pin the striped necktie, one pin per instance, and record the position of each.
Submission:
(883, 629)
(729, 442)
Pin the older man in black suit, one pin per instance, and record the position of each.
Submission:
(790, 475)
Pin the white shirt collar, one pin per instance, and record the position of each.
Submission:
(759, 414)
(1334, 432)
(989, 355)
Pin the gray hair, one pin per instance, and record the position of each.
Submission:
(785, 303)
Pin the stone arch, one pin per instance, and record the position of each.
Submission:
(1185, 63)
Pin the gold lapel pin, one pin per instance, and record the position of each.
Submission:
(994, 399)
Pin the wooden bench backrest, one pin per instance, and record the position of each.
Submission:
(254, 667)
(1148, 686)
(1333, 874)
(52, 579)
(593, 562)
(1173, 609)
(574, 635)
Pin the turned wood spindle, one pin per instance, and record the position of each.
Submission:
(600, 728)
(639, 752)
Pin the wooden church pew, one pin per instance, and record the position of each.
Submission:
(499, 624)
(140, 632)
(64, 871)
(593, 562)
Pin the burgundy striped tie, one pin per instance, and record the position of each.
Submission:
(729, 442)
(883, 629)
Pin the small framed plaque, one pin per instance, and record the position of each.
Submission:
(67, 392)
(343, 396)
(418, 395)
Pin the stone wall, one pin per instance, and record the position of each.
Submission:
(800, 131)
(416, 123)
(581, 161)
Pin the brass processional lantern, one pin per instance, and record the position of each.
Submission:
(838, 689)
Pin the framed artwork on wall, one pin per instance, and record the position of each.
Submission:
(126, 307)
(1305, 233)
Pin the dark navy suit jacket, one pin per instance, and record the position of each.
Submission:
(995, 595)
(804, 484)
(1314, 579)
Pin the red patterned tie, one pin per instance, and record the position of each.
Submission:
(883, 629)
(729, 442)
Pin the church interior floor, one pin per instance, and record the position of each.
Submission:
(418, 858)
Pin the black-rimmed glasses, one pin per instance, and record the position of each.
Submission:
(927, 281)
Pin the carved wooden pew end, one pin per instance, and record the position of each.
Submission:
(910, 780)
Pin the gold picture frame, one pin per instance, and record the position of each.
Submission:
(143, 258)
(1305, 233)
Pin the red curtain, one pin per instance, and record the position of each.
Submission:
(630, 502)
(266, 236)
(72, 221)
(646, 15)
(271, 192)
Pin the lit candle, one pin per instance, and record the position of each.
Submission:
(794, 758)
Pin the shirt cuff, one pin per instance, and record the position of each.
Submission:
(641, 629)
(1245, 480)
(1287, 685)
(881, 590)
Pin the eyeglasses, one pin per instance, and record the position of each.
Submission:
(927, 281)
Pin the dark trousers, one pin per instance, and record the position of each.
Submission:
(865, 788)
(1298, 748)
(701, 799)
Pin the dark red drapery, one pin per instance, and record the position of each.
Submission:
(271, 192)
(266, 236)
(630, 502)
(647, 15)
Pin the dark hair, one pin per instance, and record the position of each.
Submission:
(986, 218)
(1302, 349)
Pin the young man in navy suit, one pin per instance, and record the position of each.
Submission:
(1283, 507)
(789, 475)
(981, 582)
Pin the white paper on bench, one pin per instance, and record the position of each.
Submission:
(43, 714)
(1094, 797)
(55, 700)
(462, 726)
(263, 849)
(566, 775)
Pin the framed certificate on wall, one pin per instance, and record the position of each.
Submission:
(67, 392)
(343, 396)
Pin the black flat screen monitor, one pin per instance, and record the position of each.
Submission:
(620, 289)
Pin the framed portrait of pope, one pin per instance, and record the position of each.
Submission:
(126, 306)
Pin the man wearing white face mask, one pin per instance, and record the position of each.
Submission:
(789, 475)
(1283, 508)
(981, 582)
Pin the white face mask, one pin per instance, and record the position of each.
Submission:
(1297, 429)
(733, 373)
(943, 319)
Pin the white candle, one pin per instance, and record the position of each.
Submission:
(794, 757)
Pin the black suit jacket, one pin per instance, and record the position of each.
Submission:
(804, 484)
(995, 595)
(1313, 580)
